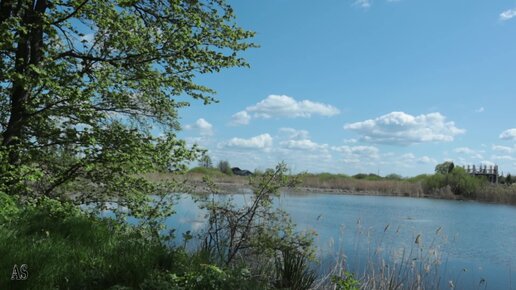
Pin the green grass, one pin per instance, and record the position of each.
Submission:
(76, 252)
(67, 249)
(211, 172)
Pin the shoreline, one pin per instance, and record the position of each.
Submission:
(493, 194)
(241, 188)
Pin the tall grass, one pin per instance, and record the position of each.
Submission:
(344, 183)
(67, 249)
(418, 265)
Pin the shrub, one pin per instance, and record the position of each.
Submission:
(205, 161)
(460, 182)
(292, 271)
(347, 282)
(394, 176)
(224, 167)
(8, 208)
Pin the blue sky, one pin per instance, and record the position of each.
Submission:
(366, 86)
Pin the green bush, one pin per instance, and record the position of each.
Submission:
(211, 172)
(292, 271)
(224, 167)
(459, 181)
(370, 176)
(347, 282)
(8, 208)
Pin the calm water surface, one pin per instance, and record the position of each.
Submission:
(474, 241)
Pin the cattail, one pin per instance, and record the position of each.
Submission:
(386, 228)
(418, 239)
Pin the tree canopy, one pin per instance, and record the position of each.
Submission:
(84, 83)
(444, 168)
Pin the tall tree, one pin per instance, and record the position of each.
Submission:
(445, 167)
(205, 161)
(83, 83)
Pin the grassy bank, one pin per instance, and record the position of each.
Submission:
(61, 245)
(455, 186)
(64, 248)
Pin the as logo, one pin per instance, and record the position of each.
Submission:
(20, 273)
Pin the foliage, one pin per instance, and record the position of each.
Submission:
(419, 178)
(67, 249)
(8, 208)
(292, 271)
(348, 282)
(84, 83)
(205, 161)
(206, 277)
(75, 252)
(224, 167)
(255, 230)
(393, 176)
(508, 179)
(444, 168)
(459, 181)
(209, 172)
(370, 176)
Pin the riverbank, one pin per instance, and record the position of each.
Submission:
(342, 184)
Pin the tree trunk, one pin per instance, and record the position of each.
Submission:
(28, 52)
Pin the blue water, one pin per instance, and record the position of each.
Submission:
(468, 242)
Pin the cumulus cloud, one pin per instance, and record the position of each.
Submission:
(404, 129)
(362, 150)
(262, 141)
(468, 151)
(204, 127)
(508, 14)
(426, 160)
(275, 106)
(503, 157)
(509, 134)
(290, 133)
(299, 140)
(504, 149)
(364, 155)
(303, 144)
(240, 118)
(363, 3)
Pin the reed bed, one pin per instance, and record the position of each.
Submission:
(421, 264)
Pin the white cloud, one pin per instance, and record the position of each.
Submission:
(480, 110)
(204, 127)
(404, 129)
(303, 144)
(359, 155)
(507, 14)
(465, 150)
(275, 106)
(427, 160)
(363, 3)
(350, 141)
(294, 134)
(488, 163)
(262, 141)
(240, 118)
(299, 140)
(468, 151)
(509, 134)
(503, 149)
(503, 157)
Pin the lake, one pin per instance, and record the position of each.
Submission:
(474, 243)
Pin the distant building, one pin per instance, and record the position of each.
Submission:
(490, 172)
(240, 172)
